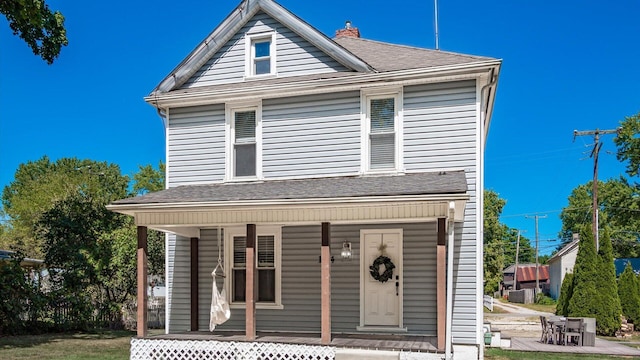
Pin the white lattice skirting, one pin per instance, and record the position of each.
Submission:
(163, 349)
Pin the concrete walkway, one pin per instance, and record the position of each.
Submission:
(603, 347)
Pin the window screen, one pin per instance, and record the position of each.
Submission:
(245, 143)
(382, 136)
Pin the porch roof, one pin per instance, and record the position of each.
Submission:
(411, 197)
(427, 183)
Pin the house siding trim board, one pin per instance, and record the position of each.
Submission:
(312, 85)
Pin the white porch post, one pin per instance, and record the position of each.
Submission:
(451, 231)
(141, 321)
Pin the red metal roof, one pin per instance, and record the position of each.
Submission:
(528, 273)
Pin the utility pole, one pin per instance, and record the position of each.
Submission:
(594, 154)
(536, 217)
(515, 272)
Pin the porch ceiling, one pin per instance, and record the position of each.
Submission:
(413, 197)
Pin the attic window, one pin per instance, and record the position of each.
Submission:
(260, 55)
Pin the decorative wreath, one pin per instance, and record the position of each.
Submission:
(374, 269)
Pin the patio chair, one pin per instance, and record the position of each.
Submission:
(573, 330)
(547, 334)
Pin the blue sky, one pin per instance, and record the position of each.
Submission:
(566, 65)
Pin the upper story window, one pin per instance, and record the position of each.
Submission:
(244, 142)
(260, 55)
(382, 128)
(268, 248)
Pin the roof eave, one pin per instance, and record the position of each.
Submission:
(131, 209)
(208, 95)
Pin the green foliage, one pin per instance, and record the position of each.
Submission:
(42, 29)
(39, 185)
(629, 295)
(543, 299)
(57, 210)
(562, 308)
(609, 309)
(619, 210)
(148, 179)
(499, 243)
(628, 144)
(584, 299)
(23, 306)
(14, 292)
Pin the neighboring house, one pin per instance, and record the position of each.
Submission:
(525, 278)
(560, 264)
(621, 263)
(286, 149)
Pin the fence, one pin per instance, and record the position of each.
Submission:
(523, 296)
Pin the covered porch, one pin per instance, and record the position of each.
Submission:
(435, 199)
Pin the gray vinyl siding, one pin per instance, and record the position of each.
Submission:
(440, 122)
(301, 281)
(310, 136)
(196, 145)
(440, 126)
(295, 56)
(178, 284)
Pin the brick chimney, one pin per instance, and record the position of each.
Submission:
(348, 31)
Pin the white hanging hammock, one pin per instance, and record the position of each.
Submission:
(219, 306)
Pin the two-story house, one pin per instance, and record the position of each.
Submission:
(339, 183)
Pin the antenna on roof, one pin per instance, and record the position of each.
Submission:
(435, 5)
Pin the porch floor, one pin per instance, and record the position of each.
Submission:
(414, 343)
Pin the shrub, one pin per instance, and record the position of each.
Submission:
(629, 295)
(543, 299)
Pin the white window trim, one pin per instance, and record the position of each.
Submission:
(276, 232)
(378, 93)
(249, 54)
(230, 110)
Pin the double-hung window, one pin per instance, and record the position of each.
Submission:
(260, 57)
(267, 265)
(244, 142)
(382, 127)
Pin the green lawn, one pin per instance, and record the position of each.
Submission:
(114, 345)
(500, 354)
(111, 345)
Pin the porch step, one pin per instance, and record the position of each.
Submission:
(362, 354)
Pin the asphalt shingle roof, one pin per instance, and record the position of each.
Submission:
(389, 57)
(452, 182)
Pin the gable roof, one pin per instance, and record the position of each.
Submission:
(359, 55)
(238, 18)
(453, 182)
(565, 250)
(527, 272)
(389, 57)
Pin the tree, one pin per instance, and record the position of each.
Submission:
(609, 310)
(619, 210)
(562, 308)
(628, 144)
(629, 295)
(148, 179)
(39, 185)
(42, 29)
(584, 299)
(499, 242)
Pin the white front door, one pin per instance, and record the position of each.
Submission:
(381, 302)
